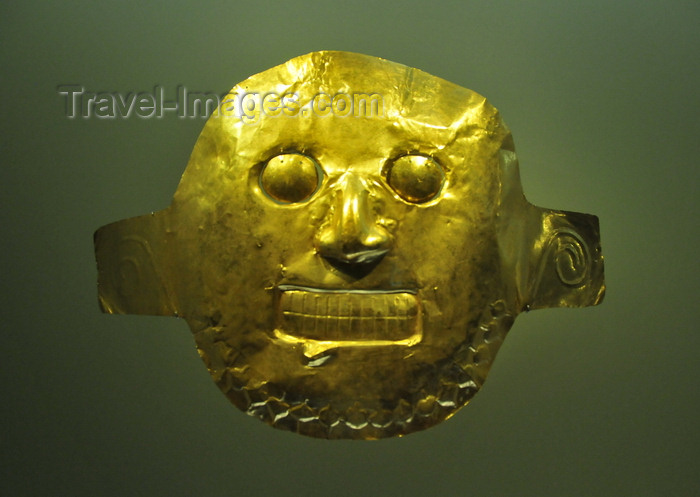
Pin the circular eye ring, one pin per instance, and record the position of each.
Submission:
(290, 178)
(416, 178)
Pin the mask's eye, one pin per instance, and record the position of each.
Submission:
(415, 178)
(290, 178)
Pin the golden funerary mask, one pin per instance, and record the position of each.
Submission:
(350, 244)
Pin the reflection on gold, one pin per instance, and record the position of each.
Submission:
(350, 244)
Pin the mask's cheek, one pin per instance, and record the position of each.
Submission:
(457, 270)
(233, 270)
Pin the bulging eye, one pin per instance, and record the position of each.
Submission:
(290, 178)
(415, 178)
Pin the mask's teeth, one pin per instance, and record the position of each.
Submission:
(338, 316)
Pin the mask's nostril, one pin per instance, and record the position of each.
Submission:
(354, 250)
(354, 269)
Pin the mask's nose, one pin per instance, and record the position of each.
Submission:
(353, 235)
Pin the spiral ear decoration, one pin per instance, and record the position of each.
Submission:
(572, 259)
(570, 270)
(130, 279)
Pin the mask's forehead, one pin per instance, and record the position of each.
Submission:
(415, 112)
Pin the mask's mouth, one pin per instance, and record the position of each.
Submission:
(322, 319)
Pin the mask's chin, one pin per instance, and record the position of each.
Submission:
(322, 319)
(331, 394)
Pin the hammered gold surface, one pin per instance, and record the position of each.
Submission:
(350, 245)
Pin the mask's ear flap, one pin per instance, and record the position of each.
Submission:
(569, 271)
(129, 278)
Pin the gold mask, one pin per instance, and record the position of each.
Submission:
(350, 244)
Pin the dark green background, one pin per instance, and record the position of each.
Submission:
(602, 98)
